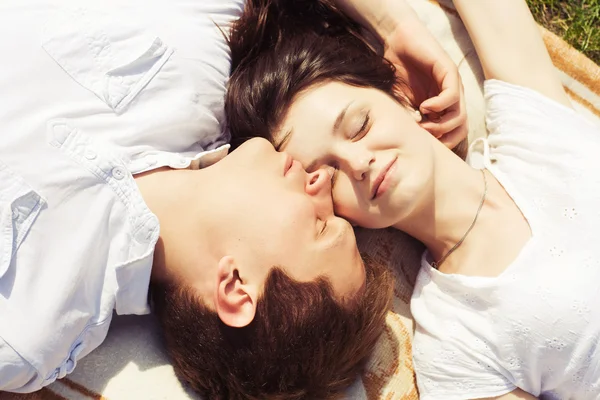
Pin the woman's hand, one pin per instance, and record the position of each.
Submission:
(434, 84)
(432, 77)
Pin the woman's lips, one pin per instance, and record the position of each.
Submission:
(383, 181)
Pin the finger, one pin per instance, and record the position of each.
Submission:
(448, 122)
(450, 92)
(460, 133)
(440, 103)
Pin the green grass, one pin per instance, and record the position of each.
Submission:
(576, 21)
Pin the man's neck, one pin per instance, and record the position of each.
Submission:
(183, 250)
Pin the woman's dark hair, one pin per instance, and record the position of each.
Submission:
(279, 48)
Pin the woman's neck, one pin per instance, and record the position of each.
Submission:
(499, 231)
(444, 219)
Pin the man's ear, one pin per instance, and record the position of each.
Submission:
(235, 300)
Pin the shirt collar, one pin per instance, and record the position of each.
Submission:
(133, 276)
(208, 158)
(133, 281)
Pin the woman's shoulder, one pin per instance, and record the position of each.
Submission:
(537, 148)
(517, 110)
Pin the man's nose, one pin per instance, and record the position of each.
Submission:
(318, 186)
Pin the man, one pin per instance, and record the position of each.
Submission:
(259, 286)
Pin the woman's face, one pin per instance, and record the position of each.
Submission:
(380, 159)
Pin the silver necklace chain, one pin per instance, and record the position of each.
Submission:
(436, 264)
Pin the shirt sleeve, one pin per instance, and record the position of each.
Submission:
(16, 374)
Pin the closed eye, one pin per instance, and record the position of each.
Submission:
(364, 128)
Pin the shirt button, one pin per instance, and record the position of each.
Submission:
(118, 173)
(182, 161)
(90, 155)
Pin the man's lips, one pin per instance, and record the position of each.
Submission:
(381, 177)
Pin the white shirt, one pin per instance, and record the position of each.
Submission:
(537, 325)
(93, 92)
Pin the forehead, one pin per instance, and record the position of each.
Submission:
(305, 131)
(321, 100)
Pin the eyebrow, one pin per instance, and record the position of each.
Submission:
(340, 117)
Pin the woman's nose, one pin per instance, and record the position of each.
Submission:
(358, 164)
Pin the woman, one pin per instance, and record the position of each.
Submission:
(505, 299)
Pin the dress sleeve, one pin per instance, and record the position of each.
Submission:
(453, 360)
(450, 370)
(521, 116)
(535, 145)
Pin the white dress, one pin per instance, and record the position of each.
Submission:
(537, 325)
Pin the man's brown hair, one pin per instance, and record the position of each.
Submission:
(302, 343)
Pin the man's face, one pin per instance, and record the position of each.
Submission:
(283, 216)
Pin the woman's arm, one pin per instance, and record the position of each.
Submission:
(510, 46)
(380, 17)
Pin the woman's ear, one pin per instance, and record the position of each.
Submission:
(235, 300)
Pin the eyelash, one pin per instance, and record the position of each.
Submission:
(363, 129)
